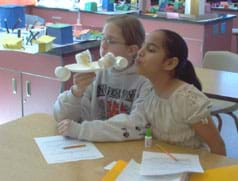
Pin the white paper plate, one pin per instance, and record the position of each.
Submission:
(93, 67)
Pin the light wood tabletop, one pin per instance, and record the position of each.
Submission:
(21, 159)
(219, 84)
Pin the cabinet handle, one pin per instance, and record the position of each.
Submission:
(14, 86)
(28, 88)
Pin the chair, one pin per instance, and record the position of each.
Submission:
(235, 33)
(226, 61)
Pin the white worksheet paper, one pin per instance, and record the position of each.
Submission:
(52, 149)
(132, 173)
(154, 163)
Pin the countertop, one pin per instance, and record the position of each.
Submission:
(203, 19)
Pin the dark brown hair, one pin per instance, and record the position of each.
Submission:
(177, 47)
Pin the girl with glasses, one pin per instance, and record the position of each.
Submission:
(111, 93)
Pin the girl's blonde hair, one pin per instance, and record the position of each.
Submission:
(131, 28)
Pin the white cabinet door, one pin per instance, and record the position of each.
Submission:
(10, 96)
(39, 93)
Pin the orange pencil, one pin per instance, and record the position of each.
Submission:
(74, 146)
(166, 152)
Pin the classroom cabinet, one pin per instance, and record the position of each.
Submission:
(28, 84)
(22, 94)
(55, 15)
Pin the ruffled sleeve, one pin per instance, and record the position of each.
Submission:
(192, 104)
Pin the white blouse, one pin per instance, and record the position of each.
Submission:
(171, 119)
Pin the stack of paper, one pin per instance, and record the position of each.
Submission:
(160, 167)
(132, 173)
(60, 149)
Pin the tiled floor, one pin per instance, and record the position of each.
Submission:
(230, 136)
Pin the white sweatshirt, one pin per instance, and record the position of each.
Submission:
(120, 91)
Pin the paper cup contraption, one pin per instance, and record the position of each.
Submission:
(84, 64)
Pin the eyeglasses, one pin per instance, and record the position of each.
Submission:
(110, 41)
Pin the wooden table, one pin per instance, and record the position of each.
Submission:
(21, 160)
(219, 84)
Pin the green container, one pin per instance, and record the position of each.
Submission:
(90, 6)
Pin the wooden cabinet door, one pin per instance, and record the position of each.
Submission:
(10, 95)
(39, 93)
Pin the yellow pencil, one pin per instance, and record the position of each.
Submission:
(166, 152)
(74, 146)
